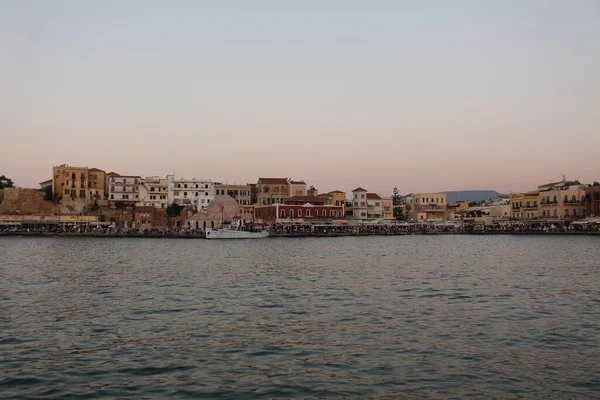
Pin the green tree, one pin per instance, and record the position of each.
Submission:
(120, 205)
(6, 182)
(48, 195)
(396, 201)
(173, 210)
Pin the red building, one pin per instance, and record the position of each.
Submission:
(592, 199)
(299, 207)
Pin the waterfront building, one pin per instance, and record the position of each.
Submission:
(326, 197)
(97, 184)
(592, 200)
(298, 188)
(192, 192)
(299, 208)
(150, 217)
(154, 192)
(338, 198)
(272, 190)
(69, 181)
(562, 200)
(387, 208)
(366, 205)
(426, 207)
(524, 205)
(124, 188)
(240, 193)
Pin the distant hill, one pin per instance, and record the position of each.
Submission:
(471, 195)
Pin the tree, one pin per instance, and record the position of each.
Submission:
(397, 209)
(173, 210)
(6, 182)
(48, 195)
(120, 205)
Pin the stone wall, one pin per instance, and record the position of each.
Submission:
(25, 201)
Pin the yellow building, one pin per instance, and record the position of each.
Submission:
(387, 208)
(68, 181)
(524, 206)
(338, 198)
(240, 193)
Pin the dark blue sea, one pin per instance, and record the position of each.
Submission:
(403, 317)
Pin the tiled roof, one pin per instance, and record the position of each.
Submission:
(48, 181)
(373, 196)
(113, 174)
(336, 191)
(95, 170)
(307, 199)
(273, 181)
(298, 182)
(359, 189)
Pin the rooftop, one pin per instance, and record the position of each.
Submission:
(373, 196)
(359, 189)
(273, 181)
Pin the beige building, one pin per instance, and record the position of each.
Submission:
(366, 205)
(338, 198)
(154, 192)
(298, 188)
(68, 181)
(240, 193)
(430, 207)
(562, 200)
(387, 208)
(272, 191)
(524, 206)
(124, 188)
(96, 185)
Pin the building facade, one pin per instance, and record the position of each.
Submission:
(298, 188)
(190, 192)
(592, 200)
(427, 207)
(288, 212)
(564, 200)
(154, 192)
(124, 188)
(272, 191)
(524, 206)
(387, 208)
(96, 184)
(240, 193)
(338, 198)
(71, 182)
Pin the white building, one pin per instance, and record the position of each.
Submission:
(366, 205)
(297, 188)
(154, 192)
(124, 188)
(194, 192)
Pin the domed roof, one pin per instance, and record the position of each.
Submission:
(220, 207)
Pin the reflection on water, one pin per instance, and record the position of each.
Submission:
(353, 317)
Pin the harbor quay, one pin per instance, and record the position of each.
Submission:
(312, 230)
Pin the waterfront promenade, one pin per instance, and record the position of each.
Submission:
(307, 230)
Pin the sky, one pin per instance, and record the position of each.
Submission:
(421, 95)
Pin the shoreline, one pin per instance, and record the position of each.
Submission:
(286, 235)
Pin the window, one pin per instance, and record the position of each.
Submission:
(67, 191)
(196, 186)
(299, 213)
(176, 193)
(206, 193)
(291, 213)
(125, 197)
(112, 196)
(442, 200)
(362, 196)
(566, 200)
(179, 185)
(575, 212)
(184, 194)
(308, 213)
(196, 194)
(377, 204)
(282, 213)
(331, 213)
(566, 213)
(185, 186)
(205, 186)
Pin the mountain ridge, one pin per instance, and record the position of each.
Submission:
(470, 195)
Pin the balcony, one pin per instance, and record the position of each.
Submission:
(548, 203)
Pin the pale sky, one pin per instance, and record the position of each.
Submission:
(422, 95)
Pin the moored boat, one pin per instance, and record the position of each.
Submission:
(237, 229)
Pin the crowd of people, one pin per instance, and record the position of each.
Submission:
(310, 229)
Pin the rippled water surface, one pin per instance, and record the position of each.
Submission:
(356, 317)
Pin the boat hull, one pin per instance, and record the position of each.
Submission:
(232, 234)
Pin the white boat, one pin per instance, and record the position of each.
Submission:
(236, 230)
